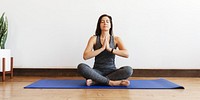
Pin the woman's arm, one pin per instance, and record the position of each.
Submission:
(121, 51)
(89, 52)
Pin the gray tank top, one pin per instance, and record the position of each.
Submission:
(105, 60)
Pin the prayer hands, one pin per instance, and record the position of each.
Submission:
(106, 44)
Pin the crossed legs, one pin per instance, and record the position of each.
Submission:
(115, 78)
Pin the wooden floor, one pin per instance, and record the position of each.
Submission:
(13, 89)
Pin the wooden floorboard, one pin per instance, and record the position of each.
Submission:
(12, 89)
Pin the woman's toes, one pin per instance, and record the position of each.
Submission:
(88, 82)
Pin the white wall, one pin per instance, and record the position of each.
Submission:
(160, 34)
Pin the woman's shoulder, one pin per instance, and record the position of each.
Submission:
(117, 38)
(93, 38)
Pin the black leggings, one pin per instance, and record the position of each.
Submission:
(102, 78)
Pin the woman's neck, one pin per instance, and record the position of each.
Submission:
(105, 34)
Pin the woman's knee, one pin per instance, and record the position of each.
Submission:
(82, 66)
(129, 70)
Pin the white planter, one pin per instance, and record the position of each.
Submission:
(5, 53)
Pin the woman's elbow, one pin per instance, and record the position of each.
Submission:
(126, 55)
(85, 57)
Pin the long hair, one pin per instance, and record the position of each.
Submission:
(98, 29)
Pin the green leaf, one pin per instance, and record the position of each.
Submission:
(3, 30)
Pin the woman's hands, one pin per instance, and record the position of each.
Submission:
(89, 53)
(106, 44)
(121, 51)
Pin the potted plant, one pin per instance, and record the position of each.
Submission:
(5, 54)
(3, 30)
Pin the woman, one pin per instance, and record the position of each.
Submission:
(104, 46)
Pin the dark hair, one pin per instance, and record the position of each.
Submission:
(98, 29)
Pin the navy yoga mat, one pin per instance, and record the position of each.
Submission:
(80, 84)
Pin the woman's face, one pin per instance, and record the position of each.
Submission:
(105, 24)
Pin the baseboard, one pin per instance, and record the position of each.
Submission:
(137, 72)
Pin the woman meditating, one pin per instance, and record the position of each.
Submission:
(104, 46)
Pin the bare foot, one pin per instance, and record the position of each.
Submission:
(88, 82)
(125, 83)
(119, 83)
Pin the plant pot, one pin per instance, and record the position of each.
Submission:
(5, 53)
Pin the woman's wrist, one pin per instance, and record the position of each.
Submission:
(102, 49)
